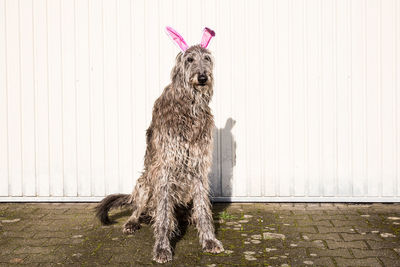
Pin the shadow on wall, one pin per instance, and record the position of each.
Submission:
(224, 160)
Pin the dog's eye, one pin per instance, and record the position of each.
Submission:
(190, 59)
(207, 58)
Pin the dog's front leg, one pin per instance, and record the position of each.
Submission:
(203, 218)
(164, 223)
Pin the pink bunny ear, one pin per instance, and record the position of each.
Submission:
(207, 35)
(177, 38)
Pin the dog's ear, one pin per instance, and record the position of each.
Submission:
(207, 35)
(178, 58)
(176, 70)
(177, 38)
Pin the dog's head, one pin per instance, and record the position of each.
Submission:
(194, 69)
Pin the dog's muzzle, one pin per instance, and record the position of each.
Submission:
(202, 79)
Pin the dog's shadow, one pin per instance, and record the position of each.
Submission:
(221, 176)
(224, 160)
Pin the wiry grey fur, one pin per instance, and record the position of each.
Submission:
(177, 160)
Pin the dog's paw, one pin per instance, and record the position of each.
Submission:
(213, 246)
(162, 255)
(130, 227)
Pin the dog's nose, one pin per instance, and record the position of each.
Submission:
(202, 78)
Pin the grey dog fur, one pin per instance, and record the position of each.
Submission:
(177, 160)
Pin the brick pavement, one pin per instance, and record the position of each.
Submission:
(274, 234)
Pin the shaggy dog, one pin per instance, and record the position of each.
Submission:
(178, 158)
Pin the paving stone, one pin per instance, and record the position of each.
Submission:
(299, 206)
(45, 258)
(310, 244)
(357, 262)
(372, 229)
(323, 229)
(7, 249)
(329, 206)
(292, 252)
(369, 236)
(339, 252)
(34, 250)
(356, 218)
(350, 223)
(342, 244)
(300, 212)
(301, 217)
(364, 253)
(389, 262)
(9, 233)
(56, 234)
(382, 244)
(311, 212)
(122, 258)
(306, 229)
(323, 217)
(320, 261)
(326, 236)
(387, 235)
(326, 223)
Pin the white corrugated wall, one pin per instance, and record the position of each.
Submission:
(307, 96)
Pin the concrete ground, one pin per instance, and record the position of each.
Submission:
(253, 235)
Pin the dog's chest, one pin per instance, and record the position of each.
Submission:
(195, 149)
(195, 126)
(194, 142)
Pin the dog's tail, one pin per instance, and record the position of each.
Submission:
(109, 202)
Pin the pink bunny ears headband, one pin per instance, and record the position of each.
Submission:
(178, 39)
